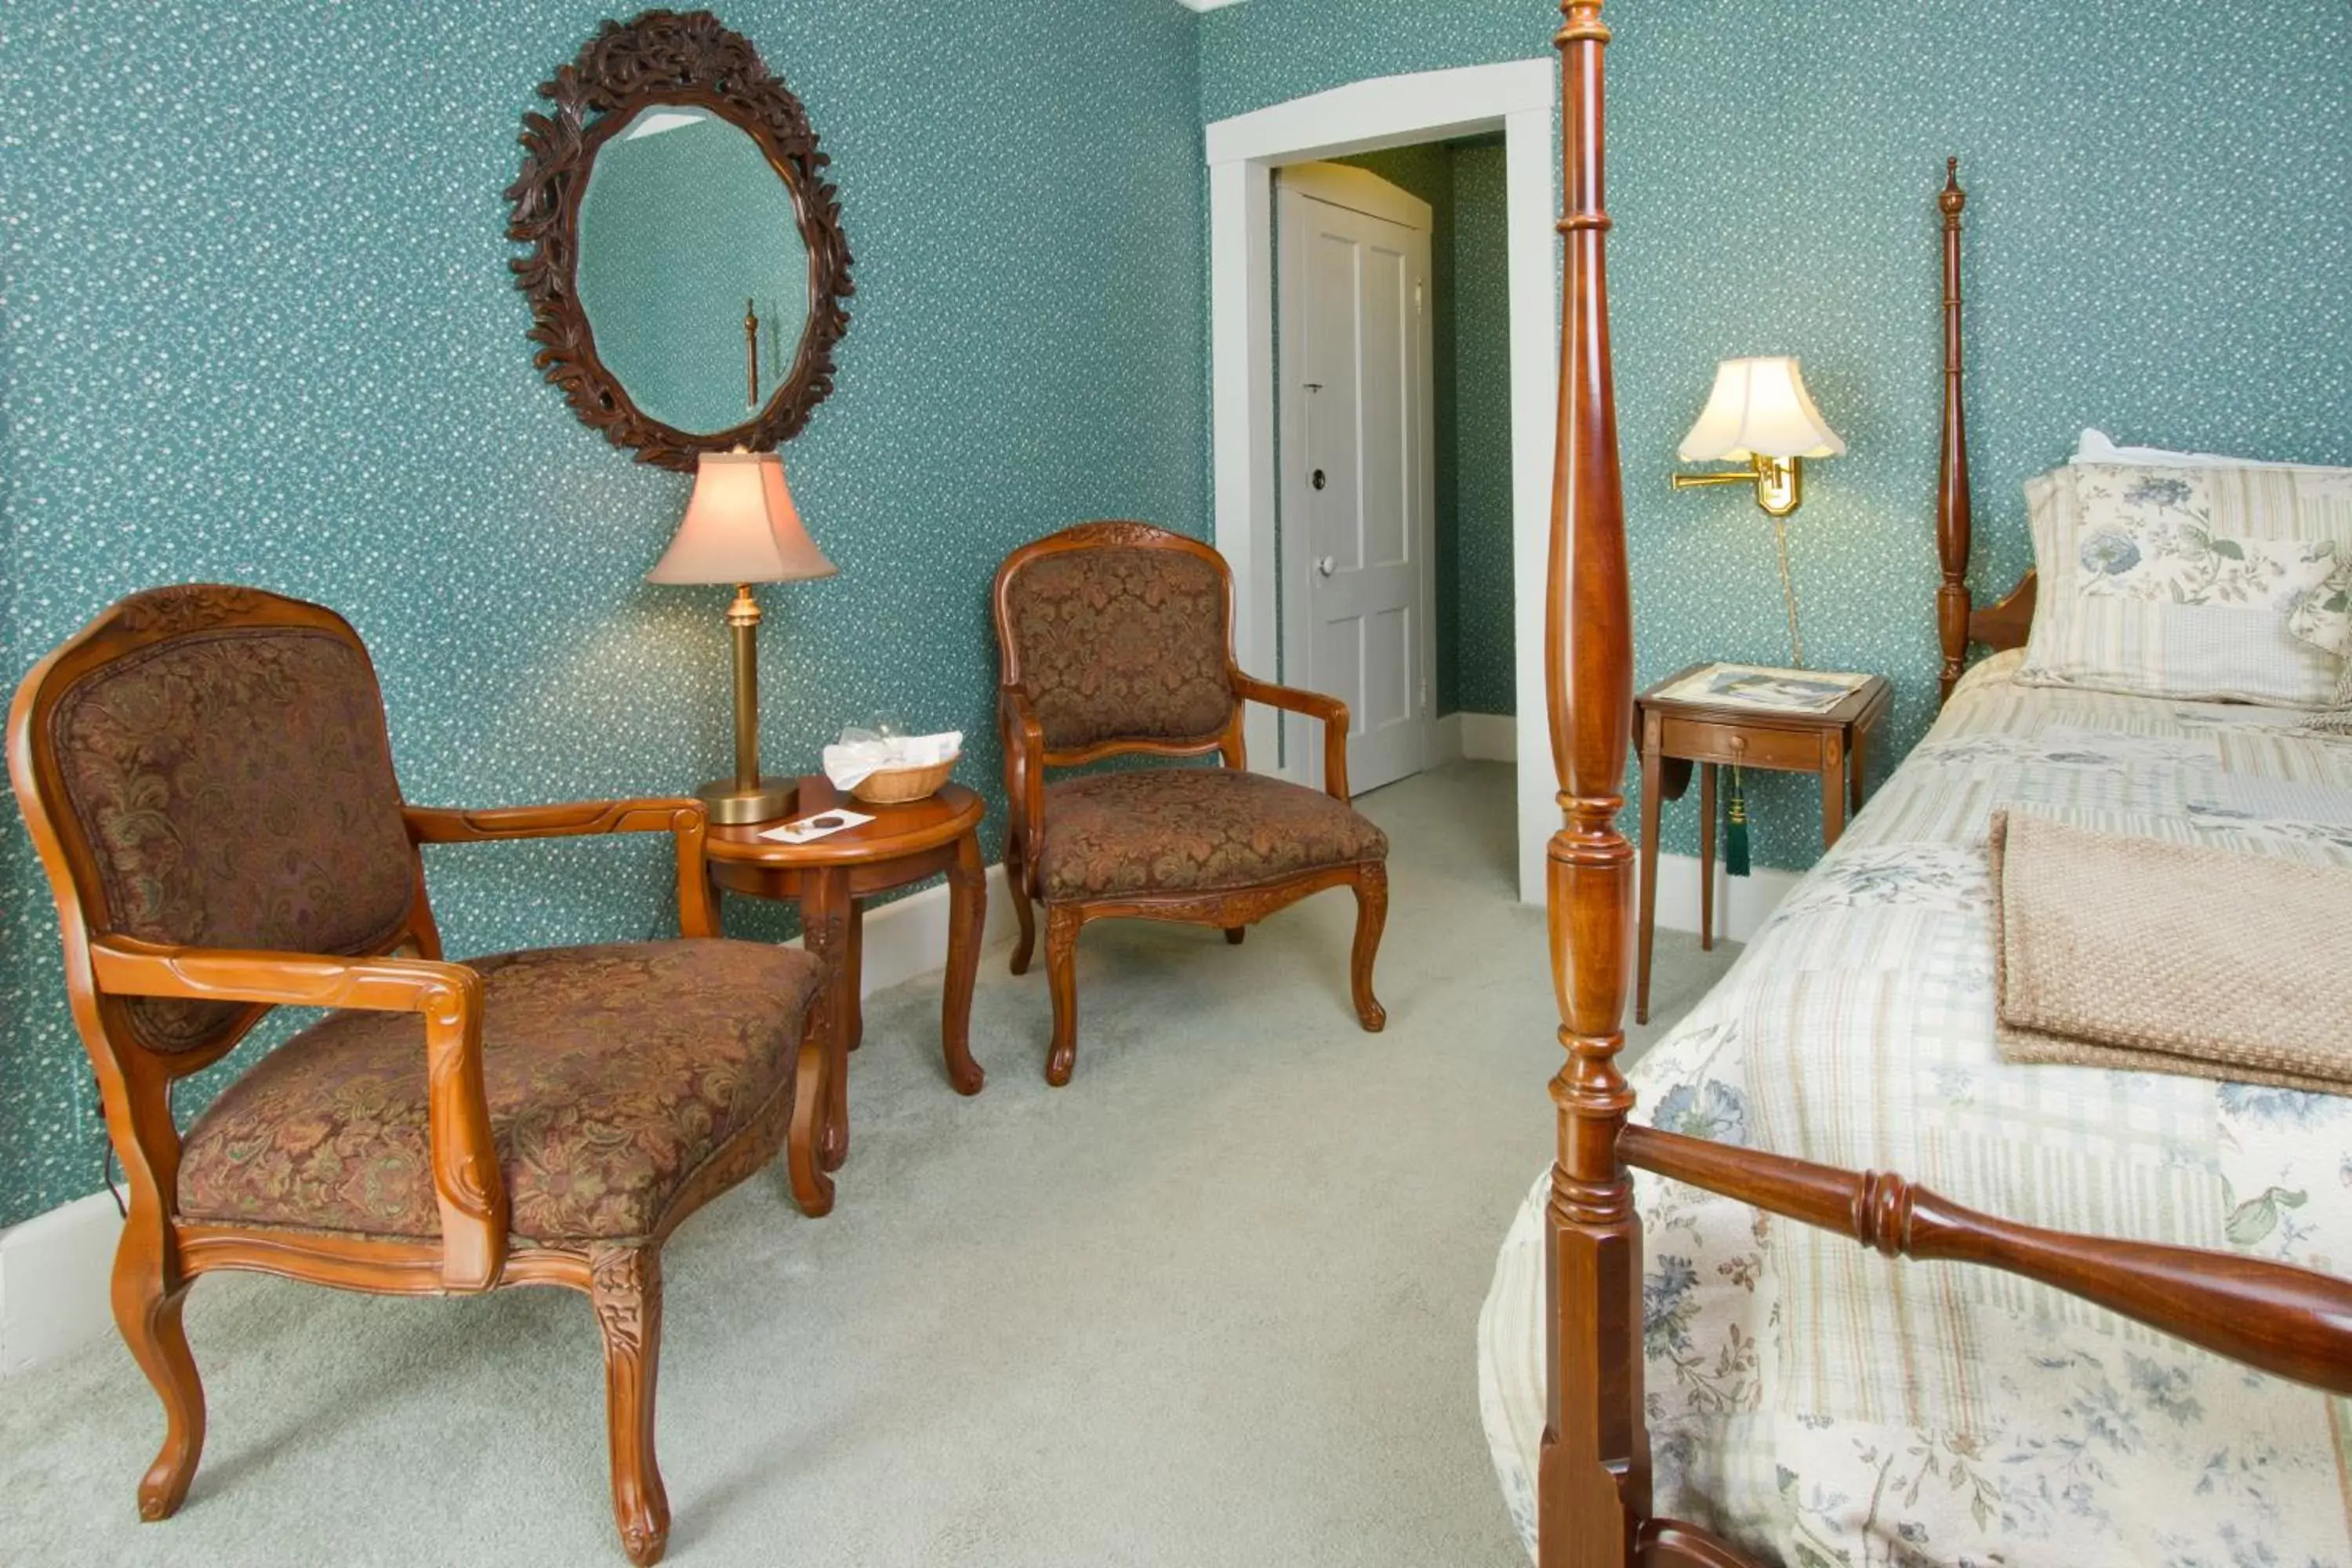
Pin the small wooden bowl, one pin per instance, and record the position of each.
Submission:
(896, 786)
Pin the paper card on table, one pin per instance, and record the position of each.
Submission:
(807, 829)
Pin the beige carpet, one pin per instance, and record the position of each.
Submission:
(1214, 1303)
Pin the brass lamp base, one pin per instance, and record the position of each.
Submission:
(731, 805)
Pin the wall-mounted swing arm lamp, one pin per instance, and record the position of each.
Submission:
(1759, 414)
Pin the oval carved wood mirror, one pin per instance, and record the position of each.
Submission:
(688, 270)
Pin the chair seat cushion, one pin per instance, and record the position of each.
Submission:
(1191, 830)
(612, 1074)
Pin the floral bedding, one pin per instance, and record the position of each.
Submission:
(1823, 1406)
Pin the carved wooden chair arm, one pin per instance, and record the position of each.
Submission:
(466, 1179)
(1025, 769)
(685, 817)
(1315, 705)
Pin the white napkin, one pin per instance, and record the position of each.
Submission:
(860, 754)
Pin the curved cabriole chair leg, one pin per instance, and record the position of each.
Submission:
(148, 1314)
(624, 1285)
(1371, 915)
(1062, 923)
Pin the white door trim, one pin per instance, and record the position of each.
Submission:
(1520, 97)
(1356, 191)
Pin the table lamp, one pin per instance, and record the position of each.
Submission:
(1759, 414)
(741, 527)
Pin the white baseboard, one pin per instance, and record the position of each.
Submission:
(55, 1272)
(55, 1267)
(1742, 904)
(1445, 745)
(1489, 737)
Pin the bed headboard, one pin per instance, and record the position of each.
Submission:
(2004, 623)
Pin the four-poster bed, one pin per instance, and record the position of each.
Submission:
(1592, 1480)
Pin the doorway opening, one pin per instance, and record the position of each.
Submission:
(1392, 445)
(1368, 622)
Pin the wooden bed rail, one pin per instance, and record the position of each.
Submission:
(2289, 1321)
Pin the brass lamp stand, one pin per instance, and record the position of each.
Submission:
(741, 527)
(749, 796)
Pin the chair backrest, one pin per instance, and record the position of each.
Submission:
(208, 766)
(1122, 635)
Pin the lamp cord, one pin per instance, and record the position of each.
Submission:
(1789, 591)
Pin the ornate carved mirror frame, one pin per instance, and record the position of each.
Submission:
(667, 57)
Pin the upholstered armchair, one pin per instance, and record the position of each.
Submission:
(208, 779)
(1117, 638)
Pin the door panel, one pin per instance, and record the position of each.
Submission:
(1363, 483)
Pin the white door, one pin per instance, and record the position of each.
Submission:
(1358, 493)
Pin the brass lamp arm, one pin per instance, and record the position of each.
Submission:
(1780, 482)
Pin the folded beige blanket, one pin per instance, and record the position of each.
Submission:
(2154, 956)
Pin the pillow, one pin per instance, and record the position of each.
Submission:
(2190, 583)
(2096, 447)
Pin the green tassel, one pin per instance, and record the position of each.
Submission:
(1735, 842)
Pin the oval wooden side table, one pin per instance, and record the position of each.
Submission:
(827, 877)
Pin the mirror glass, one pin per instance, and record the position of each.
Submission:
(684, 220)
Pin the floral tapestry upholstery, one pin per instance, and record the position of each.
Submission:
(1191, 830)
(612, 1074)
(236, 790)
(1121, 642)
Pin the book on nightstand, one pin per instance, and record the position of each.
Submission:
(1764, 687)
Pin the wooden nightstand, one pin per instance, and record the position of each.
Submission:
(1674, 731)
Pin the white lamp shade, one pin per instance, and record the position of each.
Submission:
(1759, 408)
(740, 526)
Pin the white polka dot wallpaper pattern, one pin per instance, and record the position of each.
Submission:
(257, 325)
(2158, 244)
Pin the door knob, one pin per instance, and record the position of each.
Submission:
(1318, 480)
(1326, 565)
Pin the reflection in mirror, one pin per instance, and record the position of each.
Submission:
(683, 221)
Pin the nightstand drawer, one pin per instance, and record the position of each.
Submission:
(1743, 744)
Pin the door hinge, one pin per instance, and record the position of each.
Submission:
(1417, 300)
(1424, 696)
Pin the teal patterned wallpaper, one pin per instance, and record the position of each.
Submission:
(1484, 642)
(256, 324)
(2158, 245)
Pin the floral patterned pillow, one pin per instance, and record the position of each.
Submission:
(2227, 585)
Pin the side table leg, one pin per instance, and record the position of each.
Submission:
(1652, 786)
(1706, 857)
(1833, 787)
(1858, 766)
(825, 928)
(854, 1034)
(967, 914)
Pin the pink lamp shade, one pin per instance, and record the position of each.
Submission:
(740, 526)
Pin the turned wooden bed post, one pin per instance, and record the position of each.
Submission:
(1593, 1482)
(1953, 519)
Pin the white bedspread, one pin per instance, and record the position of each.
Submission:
(1823, 1405)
